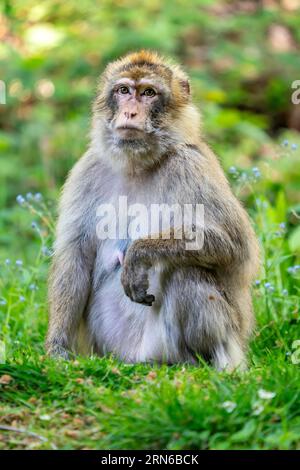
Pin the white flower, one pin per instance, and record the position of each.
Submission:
(257, 408)
(229, 406)
(45, 417)
(265, 395)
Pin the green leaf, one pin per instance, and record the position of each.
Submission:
(294, 240)
(245, 432)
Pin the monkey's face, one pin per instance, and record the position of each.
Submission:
(137, 107)
(141, 109)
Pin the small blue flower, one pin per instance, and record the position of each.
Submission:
(293, 269)
(256, 172)
(257, 282)
(282, 225)
(232, 170)
(19, 262)
(285, 143)
(33, 287)
(20, 199)
(269, 287)
(3, 302)
(34, 225)
(294, 146)
(29, 196)
(38, 197)
(285, 292)
(22, 298)
(7, 261)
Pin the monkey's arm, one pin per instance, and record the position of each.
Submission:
(224, 244)
(69, 286)
(70, 275)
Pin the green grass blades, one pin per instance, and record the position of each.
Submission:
(99, 403)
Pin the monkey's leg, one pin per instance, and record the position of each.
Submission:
(69, 285)
(206, 324)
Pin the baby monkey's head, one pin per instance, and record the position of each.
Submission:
(142, 108)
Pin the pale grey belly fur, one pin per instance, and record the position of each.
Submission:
(133, 332)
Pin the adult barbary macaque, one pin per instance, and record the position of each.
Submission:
(147, 297)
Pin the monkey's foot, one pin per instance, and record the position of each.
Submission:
(230, 359)
(58, 352)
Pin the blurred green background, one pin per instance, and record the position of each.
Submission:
(242, 57)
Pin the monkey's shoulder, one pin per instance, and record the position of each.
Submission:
(187, 163)
(88, 179)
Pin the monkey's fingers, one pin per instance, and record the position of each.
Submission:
(135, 285)
(148, 300)
(139, 295)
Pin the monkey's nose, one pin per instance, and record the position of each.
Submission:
(130, 115)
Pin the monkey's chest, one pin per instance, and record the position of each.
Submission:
(132, 331)
(112, 255)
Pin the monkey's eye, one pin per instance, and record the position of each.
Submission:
(123, 90)
(149, 92)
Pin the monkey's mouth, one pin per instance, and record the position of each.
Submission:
(129, 132)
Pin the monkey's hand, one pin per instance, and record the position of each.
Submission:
(135, 281)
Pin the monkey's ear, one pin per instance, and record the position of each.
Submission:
(185, 86)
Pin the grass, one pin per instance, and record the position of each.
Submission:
(94, 403)
(98, 403)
